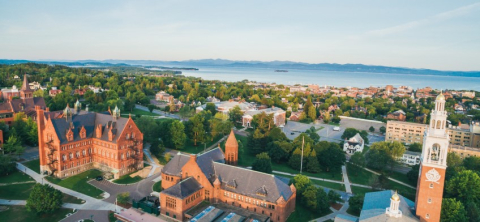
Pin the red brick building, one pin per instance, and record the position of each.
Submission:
(187, 180)
(76, 141)
(25, 104)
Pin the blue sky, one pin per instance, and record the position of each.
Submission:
(437, 34)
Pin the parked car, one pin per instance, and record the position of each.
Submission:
(336, 128)
(99, 178)
(292, 133)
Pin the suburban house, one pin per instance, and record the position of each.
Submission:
(354, 144)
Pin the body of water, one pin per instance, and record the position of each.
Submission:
(338, 79)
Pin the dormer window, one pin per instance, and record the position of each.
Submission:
(261, 191)
(83, 133)
(69, 135)
(232, 184)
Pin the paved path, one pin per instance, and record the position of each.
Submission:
(161, 113)
(137, 190)
(152, 163)
(7, 184)
(90, 202)
(332, 216)
(96, 215)
(346, 181)
(321, 179)
(12, 202)
(400, 182)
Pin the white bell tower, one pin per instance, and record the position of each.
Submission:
(435, 142)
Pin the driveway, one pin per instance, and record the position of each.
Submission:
(137, 190)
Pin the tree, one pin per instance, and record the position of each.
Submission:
(461, 187)
(453, 211)
(326, 117)
(349, 133)
(383, 129)
(279, 150)
(312, 133)
(323, 205)
(198, 130)
(13, 146)
(211, 107)
(473, 212)
(296, 159)
(7, 165)
(150, 107)
(336, 119)
(301, 182)
(333, 197)
(185, 112)
(44, 199)
(262, 163)
(356, 203)
(312, 113)
(312, 163)
(332, 158)
(377, 159)
(415, 147)
(412, 175)
(309, 197)
(371, 129)
(177, 134)
(454, 160)
(123, 198)
(235, 114)
(157, 149)
(471, 163)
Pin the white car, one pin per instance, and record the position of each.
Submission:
(336, 128)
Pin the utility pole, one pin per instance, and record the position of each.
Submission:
(301, 161)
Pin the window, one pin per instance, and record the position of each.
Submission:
(427, 216)
(171, 203)
(429, 200)
(431, 185)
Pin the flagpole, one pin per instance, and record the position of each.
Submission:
(301, 162)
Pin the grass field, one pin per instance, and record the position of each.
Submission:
(157, 186)
(360, 190)
(402, 177)
(16, 191)
(358, 175)
(191, 148)
(17, 176)
(139, 112)
(335, 186)
(79, 183)
(20, 214)
(127, 179)
(33, 165)
(303, 214)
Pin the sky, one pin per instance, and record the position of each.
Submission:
(439, 34)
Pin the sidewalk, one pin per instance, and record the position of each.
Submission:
(321, 179)
(90, 202)
(346, 181)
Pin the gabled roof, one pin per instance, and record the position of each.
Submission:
(183, 189)
(174, 166)
(205, 161)
(252, 183)
(90, 121)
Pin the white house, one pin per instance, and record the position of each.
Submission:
(354, 144)
(410, 158)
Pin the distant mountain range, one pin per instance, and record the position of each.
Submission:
(284, 65)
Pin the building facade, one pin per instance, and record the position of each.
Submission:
(26, 104)
(354, 144)
(76, 141)
(187, 180)
(433, 164)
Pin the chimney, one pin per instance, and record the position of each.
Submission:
(110, 135)
(47, 109)
(98, 130)
(193, 157)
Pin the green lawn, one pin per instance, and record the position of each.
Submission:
(360, 190)
(20, 214)
(16, 176)
(335, 186)
(79, 183)
(33, 165)
(157, 186)
(111, 218)
(139, 112)
(16, 191)
(191, 148)
(71, 199)
(402, 177)
(403, 190)
(303, 214)
(127, 179)
(358, 175)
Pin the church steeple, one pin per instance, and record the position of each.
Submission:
(231, 149)
(433, 164)
(25, 91)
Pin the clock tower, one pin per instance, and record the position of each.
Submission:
(433, 164)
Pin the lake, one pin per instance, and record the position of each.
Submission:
(338, 79)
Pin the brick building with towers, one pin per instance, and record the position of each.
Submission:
(26, 103)
(73, 141)
(188, 180)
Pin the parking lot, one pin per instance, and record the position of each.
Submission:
(327, 133)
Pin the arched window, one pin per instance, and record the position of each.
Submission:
(439, 124)
(433, 123)
(435, 154)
